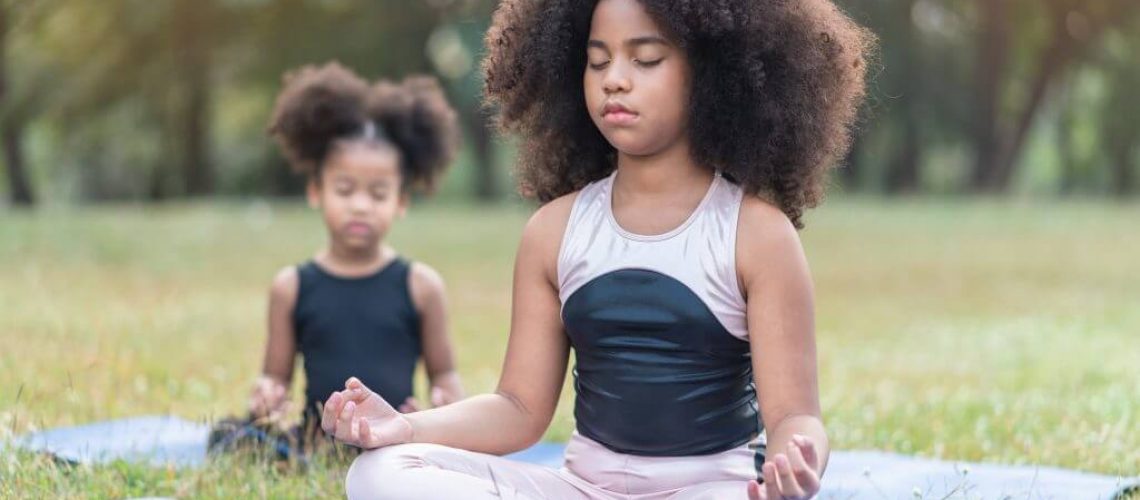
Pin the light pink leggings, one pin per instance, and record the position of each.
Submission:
(591, 471)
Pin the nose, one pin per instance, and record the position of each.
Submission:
(360, 202)
(615, 79)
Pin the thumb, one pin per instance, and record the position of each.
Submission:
(356, 390)
(438, 397)
(807, 448)
(755, 492)
(410, 405)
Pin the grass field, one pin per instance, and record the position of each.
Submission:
(995, 331)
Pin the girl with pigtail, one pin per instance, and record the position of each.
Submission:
(358, 308)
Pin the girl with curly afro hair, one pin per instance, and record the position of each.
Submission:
(675, 146)
(358, 308)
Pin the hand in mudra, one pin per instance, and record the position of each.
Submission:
(791, 475)
(359, 417)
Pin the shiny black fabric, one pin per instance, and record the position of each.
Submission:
(656, 374)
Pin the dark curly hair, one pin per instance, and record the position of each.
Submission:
(776, 86)
(321, 107)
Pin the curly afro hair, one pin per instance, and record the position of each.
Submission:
(322, 107)
(776, 87)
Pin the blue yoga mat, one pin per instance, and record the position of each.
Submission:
(163, 440)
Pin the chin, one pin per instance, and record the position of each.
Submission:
(629, 144)
(635, 148)
(356, 243)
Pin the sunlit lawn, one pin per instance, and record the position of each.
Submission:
(982, 331)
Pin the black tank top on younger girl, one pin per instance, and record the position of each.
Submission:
(365, 327)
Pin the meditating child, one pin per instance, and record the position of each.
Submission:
(676, 145)
(358, 308)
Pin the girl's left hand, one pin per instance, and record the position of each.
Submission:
(446, 390)
(443, 392)
(791, 475)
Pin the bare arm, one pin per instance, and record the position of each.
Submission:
(519, 411)
(269, 392)
(430, 299)
(777, 283)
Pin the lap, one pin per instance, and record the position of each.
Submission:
(432, 471)
(422, 470)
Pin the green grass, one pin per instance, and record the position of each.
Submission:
(995, 331)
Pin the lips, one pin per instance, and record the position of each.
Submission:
(357, 228)
(616, 113)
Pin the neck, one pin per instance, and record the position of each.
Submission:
(351, 257)
(667, 172)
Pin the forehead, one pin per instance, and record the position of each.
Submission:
(622, 18)
(363, 161)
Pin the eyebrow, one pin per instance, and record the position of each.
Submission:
(632, 42)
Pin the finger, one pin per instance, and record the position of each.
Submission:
(412, 405)
(356, 390)
(330, 412)
(357, 423)
(367, 440)
(789, 487)
(806, 476)
(255, 405)
(755, 492)
(344, 422)
(438, 397)
(353, 383)
(807, 448)
(278, 393)
(771, 483)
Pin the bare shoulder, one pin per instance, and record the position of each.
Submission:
(552, 217)
(545, 228)
(285, 285)
(425, 283)
(542, 236)
(766, 239)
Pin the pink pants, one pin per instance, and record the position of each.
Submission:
(591, 471)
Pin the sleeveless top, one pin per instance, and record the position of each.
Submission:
(657, 323)
(365, 327)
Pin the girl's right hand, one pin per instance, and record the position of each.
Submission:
(359, 417)
(267, 399)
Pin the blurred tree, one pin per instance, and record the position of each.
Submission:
(153, 65)
(11, 121)
(1071, 28)
(1120, 126)
(904, 169)
(191, 56)
(452, 48)
(161, 98)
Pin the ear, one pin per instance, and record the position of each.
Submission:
(405, 201)
(313, 192)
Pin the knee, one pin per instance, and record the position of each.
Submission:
(383, 473)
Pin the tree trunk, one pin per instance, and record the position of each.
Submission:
(852, 169)
(193, 55)
(1065, 152)
(902, 178)
(19, 185)
(486, 177)
(993, 55)
(903, 173)
(1053, 62)
(998, 157)
(1123, 171)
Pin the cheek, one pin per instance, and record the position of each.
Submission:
(670, 95)
(592, 88)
